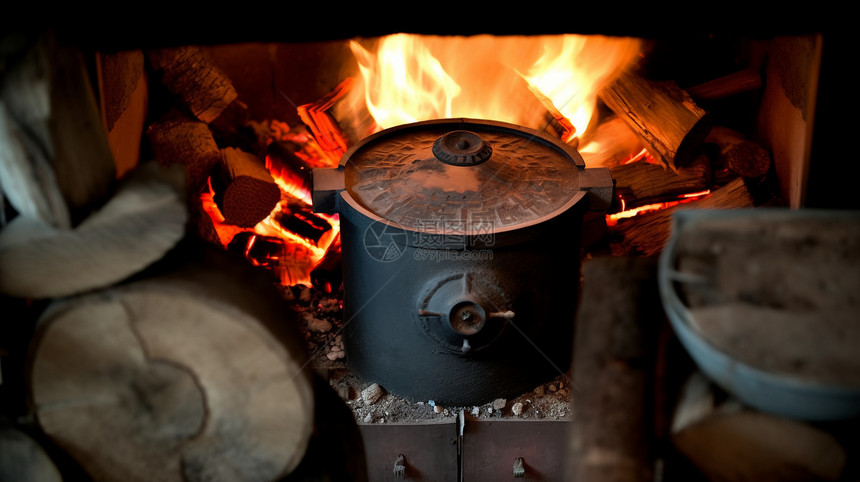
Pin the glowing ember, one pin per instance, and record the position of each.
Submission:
(613, 219)
(289, 254)
(413, 77)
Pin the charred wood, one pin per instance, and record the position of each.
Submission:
(243, 189)
(299, 218)
(738, 154)
(646, 234)
(335, 121)
(640, 183)
(284, 163)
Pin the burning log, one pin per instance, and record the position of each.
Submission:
(190, 74)
(335, 121)
(299, 218)
(327, 275)
(646, 234)
(611, 144)
(668, 121)
(739, 155)
(55, 162)
(640, 183)
(192, 372)
(539, 112)
(244, 190)
(137, 226)
(613, 368)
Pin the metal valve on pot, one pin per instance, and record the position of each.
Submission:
(464, 312)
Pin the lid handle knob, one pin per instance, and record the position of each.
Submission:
(461, 148)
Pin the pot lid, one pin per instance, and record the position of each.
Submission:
(461, 176)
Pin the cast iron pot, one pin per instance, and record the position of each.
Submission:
(461, 256)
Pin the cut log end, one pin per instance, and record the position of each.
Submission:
(748, 159)
(244, 189)
(183, 375)
(247, 201)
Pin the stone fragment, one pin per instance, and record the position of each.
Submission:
(372, 394)
(437, 409)
(499, 403)
(318, 326)
(517, 409)
(552, 388)
(539, 391)
(368, 418)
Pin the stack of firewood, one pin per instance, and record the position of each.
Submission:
(152, 356)
(685, 161)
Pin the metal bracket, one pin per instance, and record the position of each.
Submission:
(519, 468)
(400, 467)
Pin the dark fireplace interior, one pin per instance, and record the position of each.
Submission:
(213, 139)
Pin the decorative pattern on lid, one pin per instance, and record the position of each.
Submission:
(398, 177)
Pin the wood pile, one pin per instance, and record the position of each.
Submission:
(78, 224)
(144, 353)
(670, 156)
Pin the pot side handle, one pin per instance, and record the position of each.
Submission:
(326, 184)
(599, 187)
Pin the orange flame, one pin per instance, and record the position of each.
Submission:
(415, 77)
